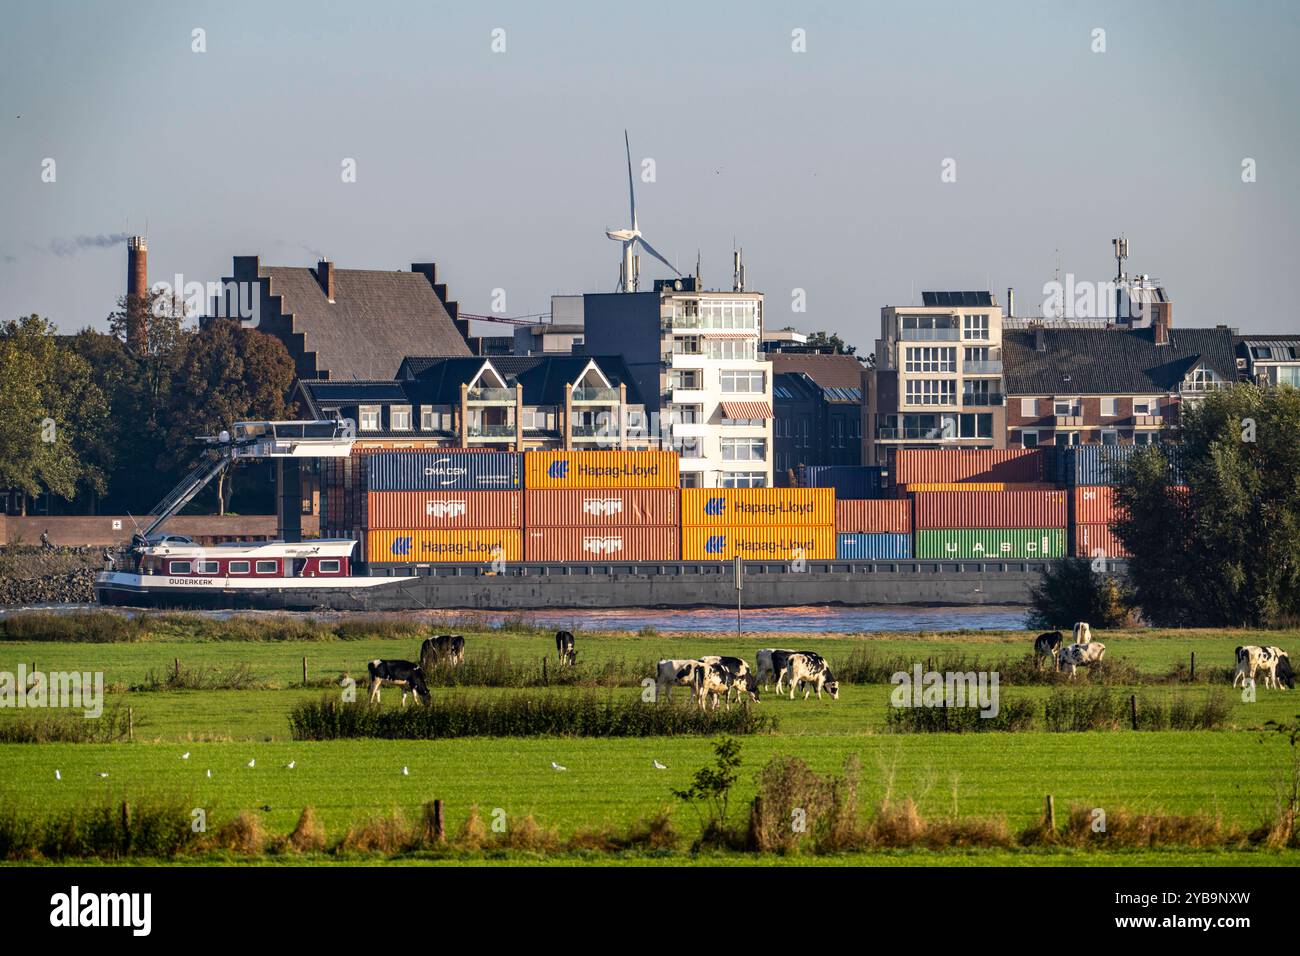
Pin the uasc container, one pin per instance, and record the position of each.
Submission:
(886, 515)
(597, 545)
(753, 507)
(990, 543)
(873, 547)
(971, 464)
(602, 508)
(760, 542)
(600, 469)
(992, 509)
(418, 546)
(452, 470)
(387, 510)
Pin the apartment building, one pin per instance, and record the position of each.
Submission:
(1269, 359)
(938, 376)
(694, 358)
(818, 403)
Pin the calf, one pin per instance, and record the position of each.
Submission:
(1082, 633)
(811, 670)
(564, 648)
(446, 650)
(1074, 656)
(403, 674)
(673, 672)
(1273, 661)
(771, 662)
(1048, 645)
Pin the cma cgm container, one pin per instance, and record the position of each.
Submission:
(965, 543)
(873, 547)
(600, 469)
(849, 481)
(992, 509)
(452, 470)
(1094, 504)
(415, 546)
(754, 507)
(767, 542)
(888, 515)
(595, 545)
(1097, 540)
(602, 508)
(912, 465)
(1099, 464)
(387, 510)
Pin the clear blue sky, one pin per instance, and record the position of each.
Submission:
(506, 168)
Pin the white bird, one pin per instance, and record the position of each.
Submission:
(252, 763)
(209, 774)
(103, 775)
(290, 764)
(186, 755)
(406, 771)
(659, 766)
(57, 775)
(556, 766)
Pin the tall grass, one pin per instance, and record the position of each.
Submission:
(1103, 709)
(495, 668)
(105, 627)
(1012, 715)
(48, 727)
(158, 827)
(237, 677)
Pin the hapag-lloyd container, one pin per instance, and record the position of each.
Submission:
(602, 508)
(597, 545)
(1097, 541)
(758, 543)
(913, 465)
(449, 510)
(600, 469)
(754, 507)
(1094, 504)
(873, 547)
(992, 509)
(886, 515)
(452, 470)
(953, 544)
(417, 546)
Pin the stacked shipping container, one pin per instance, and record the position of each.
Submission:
(758, 523)
(873, 530)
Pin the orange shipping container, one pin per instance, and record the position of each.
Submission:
(1097, 540)
(863, 516)
(602, 508)
(449, 510)
(416, 546)
(991, 509)
(598, 545)
(600, 469)
(970, 464)
(767, 542)
(1094, 504)
(753, 507)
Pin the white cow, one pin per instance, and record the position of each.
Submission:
(810, 669)
(771, 662)
(1273, 661)
(1082, 633)
(669, 672)
(1074, 656)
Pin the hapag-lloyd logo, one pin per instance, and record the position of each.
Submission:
(445, 509)
(602, 507)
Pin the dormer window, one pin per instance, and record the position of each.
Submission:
(368, 418)
(1202, 379)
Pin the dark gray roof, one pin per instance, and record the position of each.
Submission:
(1111, 361)
(542, 376)
(376, 319)
(839, 375)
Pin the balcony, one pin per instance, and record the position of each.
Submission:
(588, 432)
(908, 434)
(490, 431)
(983, 399)
(982, 368)
(595, 396)
(1147, 421)
(1067, 421)
(929, 335)
(490, 396)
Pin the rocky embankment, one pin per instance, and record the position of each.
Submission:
(35, 575)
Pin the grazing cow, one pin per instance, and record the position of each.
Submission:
(445, 651)
(670, 672)
(1273, 661)
(403, 674)
(1048, 645)
(771, 662)
(739, 672)
(1074, 656)
(811, 670)
(1082, 633)
(564, 648)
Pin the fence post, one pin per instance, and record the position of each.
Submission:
(130, 723)
(1133, 709)
(1193, 673)
(177, 664)
(1050, 813)
(439, 832)
(304, 672)
(545, 681)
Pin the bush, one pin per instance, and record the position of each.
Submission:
(796, 808)
(158, 828)
(1069, 590)
(1102, 709)
(110, 727)
(1012, 715)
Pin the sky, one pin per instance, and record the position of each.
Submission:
(505, 167)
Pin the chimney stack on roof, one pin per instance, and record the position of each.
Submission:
(325, 276)
(1040, 339)
(1161, 319)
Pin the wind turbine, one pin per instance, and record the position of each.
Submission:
(629, 271)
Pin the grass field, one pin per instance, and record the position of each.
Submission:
(1234, 773)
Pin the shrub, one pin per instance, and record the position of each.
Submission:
(796, 808)
(1069, 590)
(1012, 715)
(110, 727)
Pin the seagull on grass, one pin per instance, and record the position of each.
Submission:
(209, 774)
(186, 755)
(290, 765)
(103, 775)
(659, 766)
(57, 775)
(556, 766)
(406, 771)
(252, 763)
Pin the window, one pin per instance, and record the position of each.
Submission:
(686, 447)
(981, 353)
(733, 349)
(1065, 406)
(329, 566)
(684, 378)
(1029, 408)
(931, 360)
(178, 567)
(744, 449)
(748, 382)
(927, 322)
(1110, 407)
(1067, 438)
(1144, 406)
(209, 567)
(691, 479)
(1261, 351)
(744, 479)
(975, 327)
(978, 391)
(1109, 436)
(686, 345)
(1288, 375)
(427, 418)
(238, 567)
(268, 567)
(686, 414)
(1201, 380)
(399, 418)
(931, 391)
(369, 415)
(1028, 439)
(975, 426)
(1144, 438)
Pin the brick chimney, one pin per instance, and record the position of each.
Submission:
(1160, 322)
(325, 276)
(1040, 339)
(137, 292)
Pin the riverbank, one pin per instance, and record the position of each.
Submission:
(30, 574)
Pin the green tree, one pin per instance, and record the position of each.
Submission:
(1071, 590)
(833, 340)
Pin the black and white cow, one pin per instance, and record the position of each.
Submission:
(1048, 645)
(771, 662)
(564, 648)
(674, 672)
(403, 674)
(810, 669)
(1074, 656)
(447, 650)
(1273, 661)
(737, 675)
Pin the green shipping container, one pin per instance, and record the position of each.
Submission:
(960, 544)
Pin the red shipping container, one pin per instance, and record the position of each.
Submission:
(991, 509)
(603, 545)
(443, 510)
(1094, 504)
(917, 465)
(616, 508)
(865, 516)
(1097, 540)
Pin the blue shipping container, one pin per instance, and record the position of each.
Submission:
(449, 470)
(873, 547)
(1094, 464)
(849, 481)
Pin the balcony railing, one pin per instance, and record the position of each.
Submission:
(983, 399)
(494, 396)
(929, 335)
(490, 431)
(894, 434)
(982, 368)
(590, 394)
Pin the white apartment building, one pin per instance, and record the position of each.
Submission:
(706, 385)
(938, 376)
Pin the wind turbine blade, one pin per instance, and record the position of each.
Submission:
(631, 191)
(651, 249)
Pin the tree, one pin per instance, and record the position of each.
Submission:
(1226, 549)
(1071, 590)
(832, 340)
